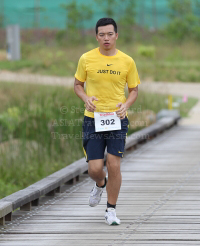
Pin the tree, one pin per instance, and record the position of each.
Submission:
(127, 20)
(109, 7)
(124, 14)
(1, 13)
(76, 15)
(184, 23)
(37, 10)
(179, 8)
(197, 7)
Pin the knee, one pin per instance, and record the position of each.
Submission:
(113, 167)
(94, 171)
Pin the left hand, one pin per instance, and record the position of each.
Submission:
(121, 113)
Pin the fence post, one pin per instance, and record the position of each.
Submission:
(13, 42)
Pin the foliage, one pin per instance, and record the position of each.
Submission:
(180, 8)
(9, 120)
(2, 14)
(37, 11)
(170, 62)
(7, 188)
(34, 153)
(26, 49)
(126, 17)
(147, 51)
(61, 37)
(1, 20)
(109, 7)
(127, 20)
(46, 124)
(184, 23)
(75, 16)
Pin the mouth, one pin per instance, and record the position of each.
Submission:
(106, 44)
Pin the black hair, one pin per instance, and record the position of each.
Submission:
(105, 22)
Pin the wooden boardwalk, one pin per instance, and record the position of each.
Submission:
(159, 202)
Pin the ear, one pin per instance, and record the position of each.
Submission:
(116, 36)
(97, 37)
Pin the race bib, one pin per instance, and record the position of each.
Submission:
(106, 121)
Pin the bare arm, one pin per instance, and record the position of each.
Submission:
(133, 93)
(79, 90)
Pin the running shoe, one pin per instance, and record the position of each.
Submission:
(111, 218)
(96, 193)
(95, 196)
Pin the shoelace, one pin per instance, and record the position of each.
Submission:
(94, 191)
(111, 213)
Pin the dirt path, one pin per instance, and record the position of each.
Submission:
(35, 79)
(176, 88)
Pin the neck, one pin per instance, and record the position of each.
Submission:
(110, 52)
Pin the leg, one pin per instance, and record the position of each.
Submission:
(114, 178)
(96, 172)
(113, 187)
(93, 147)
(115, 148)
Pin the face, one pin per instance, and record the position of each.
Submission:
(106, 37)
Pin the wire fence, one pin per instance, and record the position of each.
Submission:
(50, 14)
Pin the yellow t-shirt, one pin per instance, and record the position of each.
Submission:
(106, 78)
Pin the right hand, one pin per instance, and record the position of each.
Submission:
(89, 105)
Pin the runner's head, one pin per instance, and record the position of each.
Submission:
(105, 22)
(106, 33)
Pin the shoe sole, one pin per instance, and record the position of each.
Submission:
(93, 205)
(113, 223)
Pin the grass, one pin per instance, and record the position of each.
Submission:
(156, 102)
(185, 107)
(166, 62)
(32, 119)
(37, 125)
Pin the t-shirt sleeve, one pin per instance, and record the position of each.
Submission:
(81, 73)
(133, 78)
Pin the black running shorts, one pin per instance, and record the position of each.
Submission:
(94, 143)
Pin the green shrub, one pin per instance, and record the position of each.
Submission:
(147, 51)
(184, 23)
(7, 188)
(34, 153)
(61, 37)
(9, 121)
(26, 50)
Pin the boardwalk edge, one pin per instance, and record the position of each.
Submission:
(28, 197)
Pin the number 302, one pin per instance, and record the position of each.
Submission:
(107, 122)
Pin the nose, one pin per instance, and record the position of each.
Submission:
(106, 37)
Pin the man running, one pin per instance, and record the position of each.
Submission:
(106, 71)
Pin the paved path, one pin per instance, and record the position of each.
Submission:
(175, 88)
(179, 89)
(158, 204)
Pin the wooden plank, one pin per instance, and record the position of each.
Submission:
(5, 212)
(158, 203)
(95, 242)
